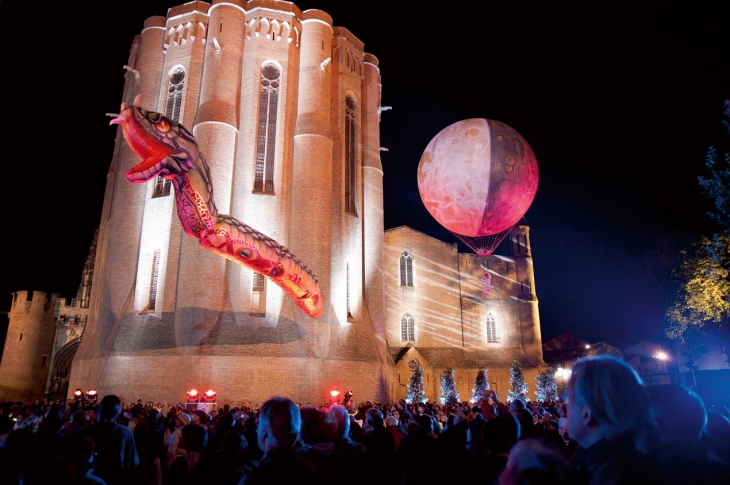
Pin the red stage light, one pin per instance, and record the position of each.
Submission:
(209, 396)
(334, 396)
(91, 392)
(192, 395)
(78, 393)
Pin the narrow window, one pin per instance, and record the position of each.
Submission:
(153, 280)
(258, 294)
(44, 362)
(406, 269)
(350, 154)
(175, 86)
(161, 188)
(21, 338)
(407, 328)
(491, 329)
(266, 142)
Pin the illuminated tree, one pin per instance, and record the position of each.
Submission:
(449, 394)
(415, 388)
(547, 389)
(518, 386)
(481, 386)
(703, 276)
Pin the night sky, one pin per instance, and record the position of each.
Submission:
(619, 101)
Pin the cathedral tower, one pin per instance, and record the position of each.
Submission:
(285, 107)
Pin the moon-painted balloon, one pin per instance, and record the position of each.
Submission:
(168, 149)
(477, 177)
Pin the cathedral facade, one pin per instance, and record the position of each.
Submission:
(285, 107)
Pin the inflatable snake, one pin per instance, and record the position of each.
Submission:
(169, 150)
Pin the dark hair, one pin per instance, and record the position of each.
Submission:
(316, 428)
(109, 407)
(500, 434)
(281, 416)
(194, 435)
(668, 401)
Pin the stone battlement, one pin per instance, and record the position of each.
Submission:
(38, 302)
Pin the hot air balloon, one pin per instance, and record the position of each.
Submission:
(477, 178)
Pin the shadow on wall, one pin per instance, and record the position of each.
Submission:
(152, 332)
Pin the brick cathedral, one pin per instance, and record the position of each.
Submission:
(286, 108)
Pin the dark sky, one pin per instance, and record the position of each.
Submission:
(619, 101)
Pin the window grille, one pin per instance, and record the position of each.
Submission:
(258, 282)
(407, 328)
(266, 142)
(406, 269)
(175, 88)
(153, 280)
(491, 329)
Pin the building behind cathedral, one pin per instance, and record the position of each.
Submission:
(286, 109)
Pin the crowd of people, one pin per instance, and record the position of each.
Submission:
(609, 429)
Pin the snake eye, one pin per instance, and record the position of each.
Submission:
(162, 126)
(245, 253)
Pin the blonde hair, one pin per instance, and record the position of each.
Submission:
(613, 391)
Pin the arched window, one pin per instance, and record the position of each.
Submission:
(153, 280)
(350, 154)
(407, 331)
(406, 269)
(266, 141)
(492, 328)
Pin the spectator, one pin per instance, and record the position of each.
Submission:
(531, 462)
(116, 453)
(79, 452)
(277, 432)
(391, 423)
(608, 415)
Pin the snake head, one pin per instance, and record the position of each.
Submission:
(165, 146)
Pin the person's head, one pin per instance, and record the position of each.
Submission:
(679, 413)
(78, 418)
(516, 405)
(375, 418)
(531, 461)
(391, 421)
(500, 434)
(425, 425)
(527, 425)
(109, 408)
(193, 438)
(605, 399)
(279, 424)
(227, 421)
(316, 428)
(341, 418)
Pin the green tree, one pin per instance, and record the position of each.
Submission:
(518, 386)
(416, 392)
(481, 386)
(547, 389)
(702, 274)
(449, 394)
